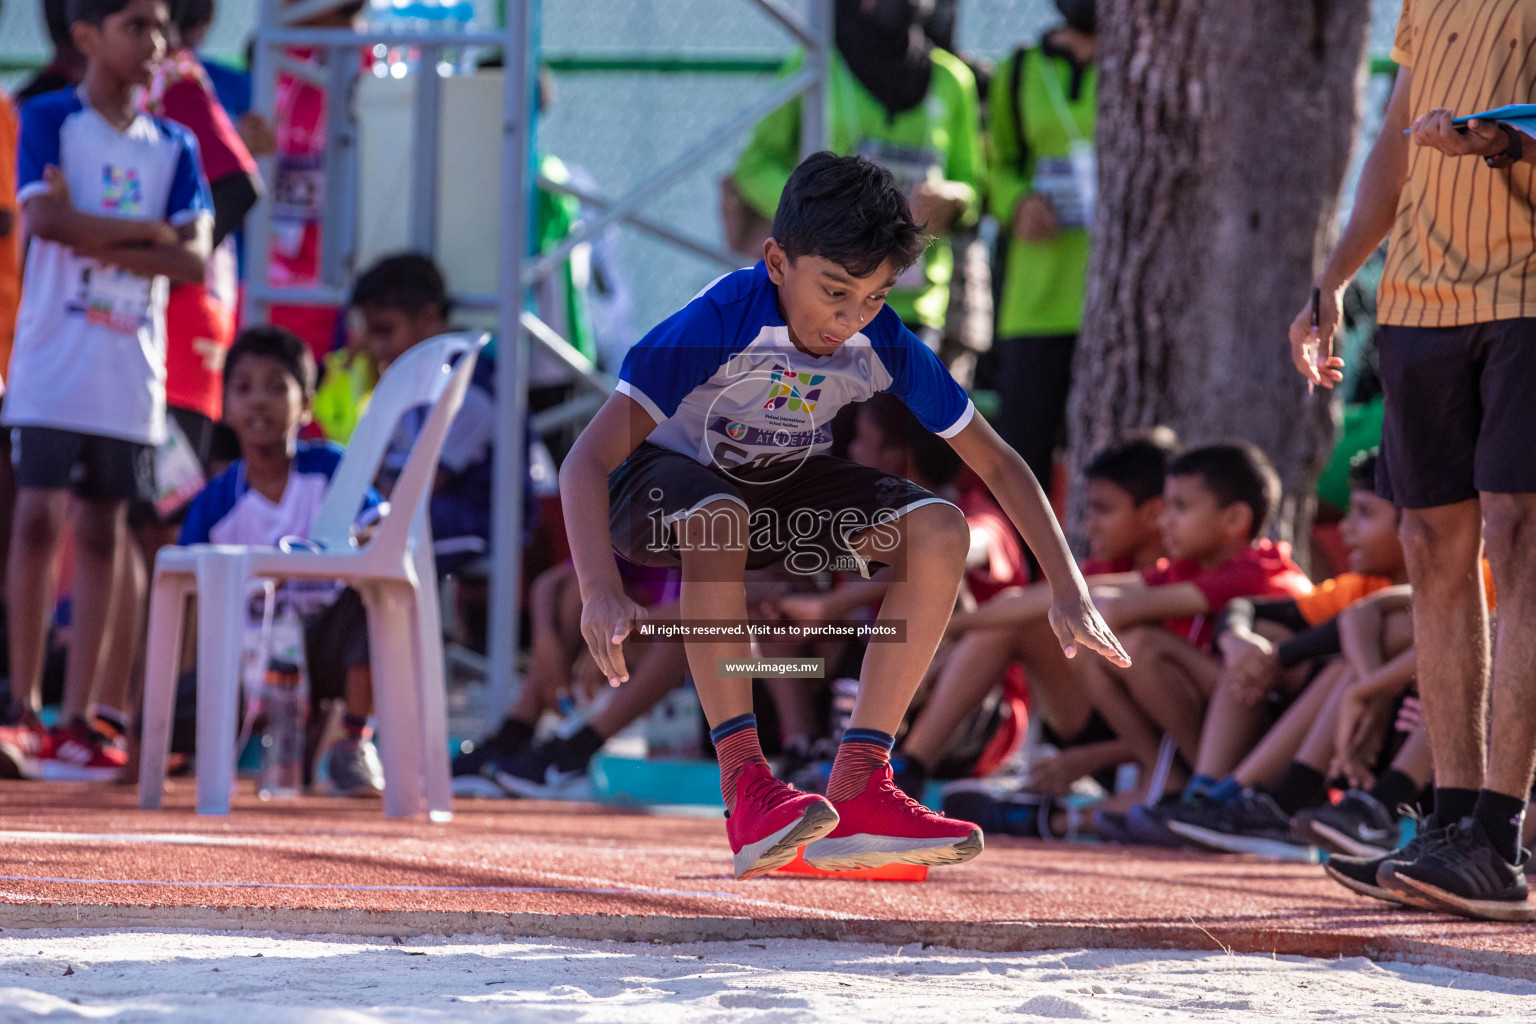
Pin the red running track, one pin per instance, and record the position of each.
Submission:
(83, 855)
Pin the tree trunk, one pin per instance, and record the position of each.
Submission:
(1224, 133)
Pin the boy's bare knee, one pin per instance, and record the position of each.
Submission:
(937, 531)
(715, 533)
(1142, 643)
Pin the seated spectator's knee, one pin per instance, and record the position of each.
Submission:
(1141, 643)
(1439, 541)
(1509, 530)
(716, 531)
(548, 584)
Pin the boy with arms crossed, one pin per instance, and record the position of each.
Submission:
(117, 207)
(717, 427)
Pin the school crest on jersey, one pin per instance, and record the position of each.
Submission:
(785, 392)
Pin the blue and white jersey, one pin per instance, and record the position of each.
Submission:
(228, 511)
(90, 338)
(728, 388)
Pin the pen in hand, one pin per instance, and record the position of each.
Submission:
(1315, 344)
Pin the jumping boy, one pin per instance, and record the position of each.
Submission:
(718, 427)
(117, 207)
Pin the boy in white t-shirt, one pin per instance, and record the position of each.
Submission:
(117, 208)
(274, 491)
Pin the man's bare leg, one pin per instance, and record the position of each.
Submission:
(1443, 549)
(1511, 534)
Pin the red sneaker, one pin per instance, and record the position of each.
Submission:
(883, 825)
(772, 821)
(77, 753)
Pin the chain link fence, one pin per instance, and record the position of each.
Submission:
(635, 83)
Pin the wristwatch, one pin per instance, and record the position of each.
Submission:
(1511, 153)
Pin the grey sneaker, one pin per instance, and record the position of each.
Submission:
(353, 768)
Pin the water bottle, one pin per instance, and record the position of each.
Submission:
(284, 713)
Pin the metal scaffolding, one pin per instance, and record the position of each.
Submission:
(279, 31)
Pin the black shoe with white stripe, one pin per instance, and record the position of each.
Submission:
(1460, 872)
(1358, 874)
(1359, 825)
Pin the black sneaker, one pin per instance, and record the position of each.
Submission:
(1147, 825)
(551, 770)
(1359, 825)
(1358, 874)
(1110, 827)
(1252, 824)
(510, 740)
(1009, 814)
(1459, 872)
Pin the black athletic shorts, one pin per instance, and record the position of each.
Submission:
(799, 516)
(94, 467)
(1461, 412)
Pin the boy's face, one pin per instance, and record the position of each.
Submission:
(1369, 530)
(389, 333)
(1117, 527)
(822, 303)
(1195, 525)
(870, 447)
(127, 45)
(263, 404)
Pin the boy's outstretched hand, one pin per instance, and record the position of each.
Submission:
(606, 620)
(1076, 621)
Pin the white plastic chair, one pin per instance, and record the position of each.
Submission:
(393, 570)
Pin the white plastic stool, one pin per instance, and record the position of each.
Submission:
(393, 571)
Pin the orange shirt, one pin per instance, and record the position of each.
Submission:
(10, 245)
(1330, 597)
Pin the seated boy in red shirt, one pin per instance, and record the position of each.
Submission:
(1124, 502)
(1217, 502)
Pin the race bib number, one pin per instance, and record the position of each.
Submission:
(299, 192)
(109, 297)
(1070, 183)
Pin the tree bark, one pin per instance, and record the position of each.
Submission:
(1224, 134)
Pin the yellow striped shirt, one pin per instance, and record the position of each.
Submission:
(1463, 244)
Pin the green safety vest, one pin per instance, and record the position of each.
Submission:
(939, 137)
(1041, 292)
